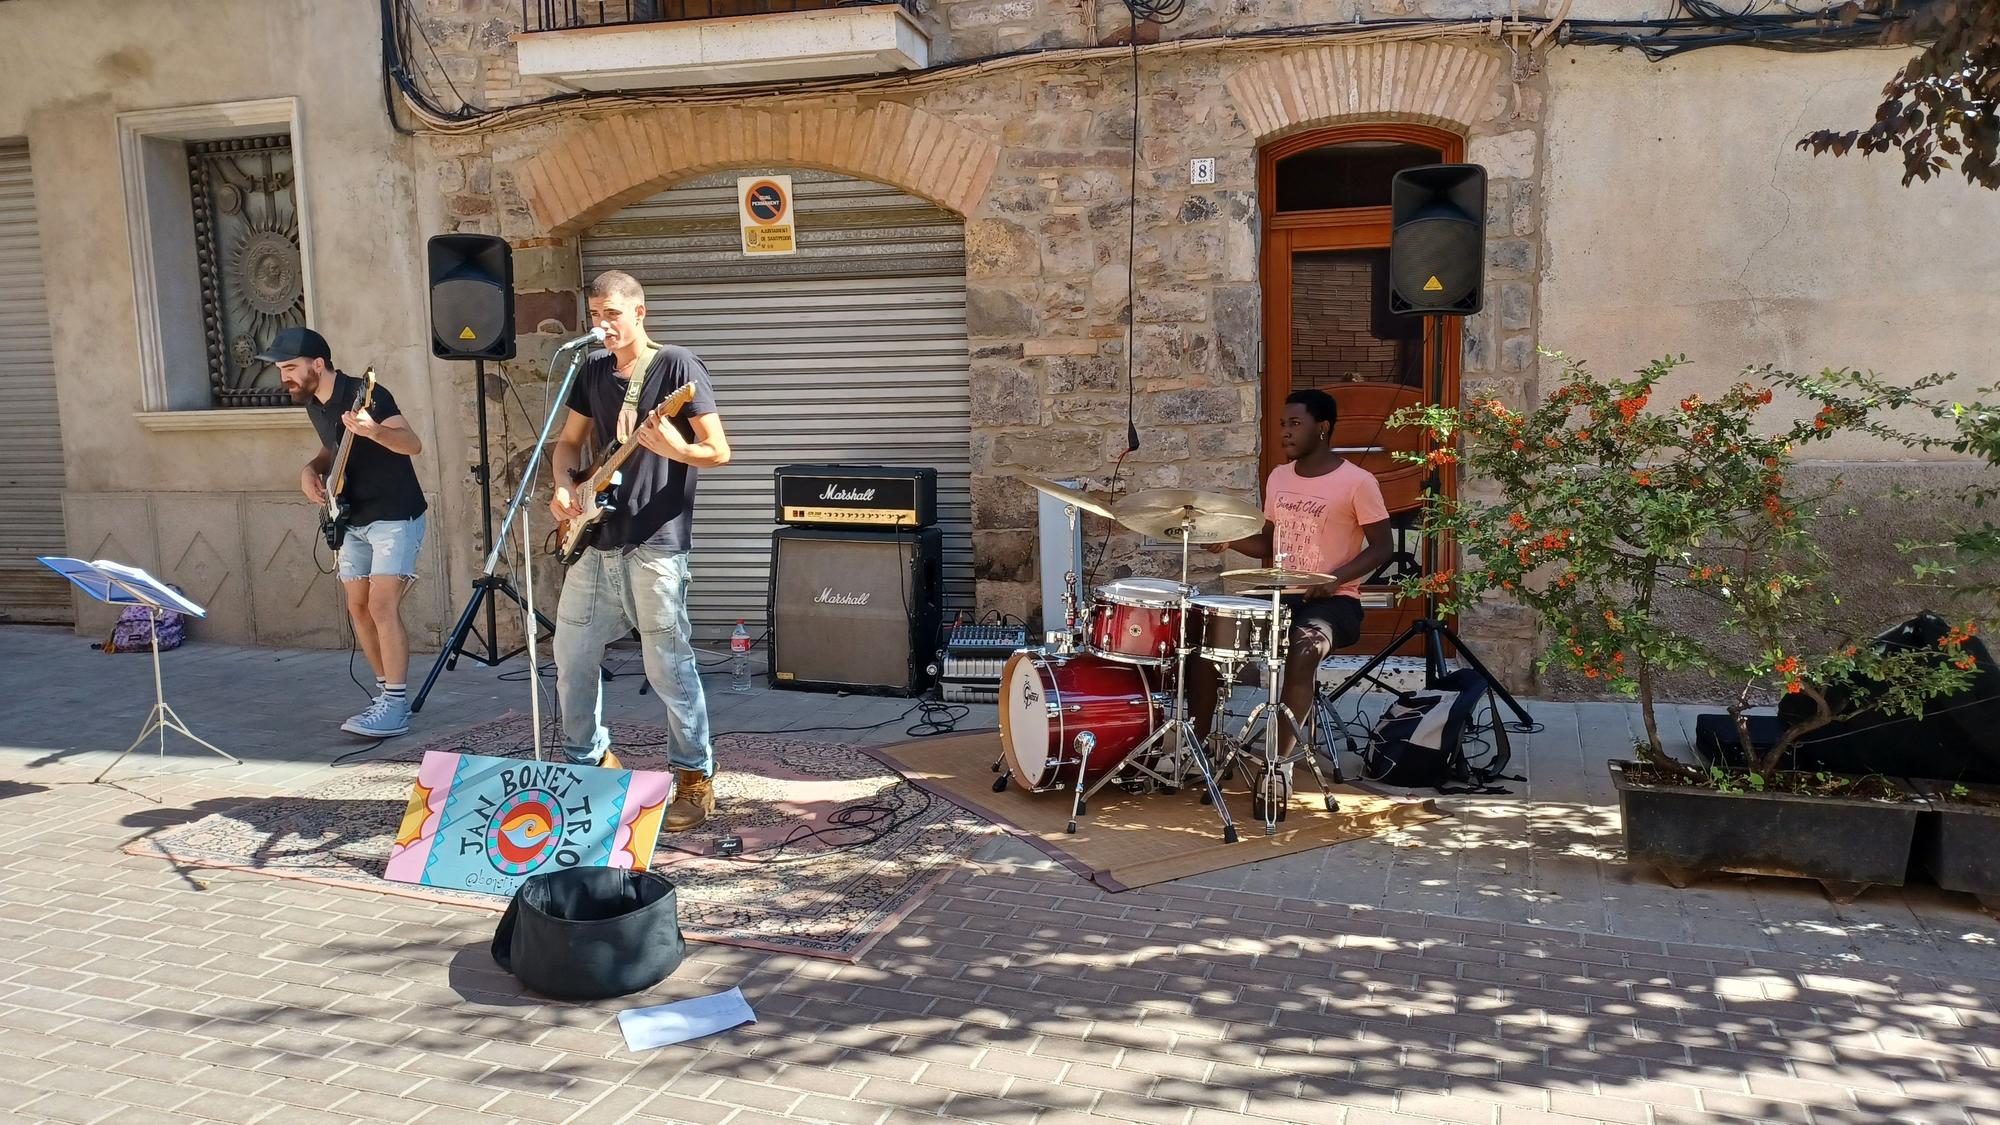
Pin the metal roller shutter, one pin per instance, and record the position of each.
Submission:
(31, 458)
(852, 351)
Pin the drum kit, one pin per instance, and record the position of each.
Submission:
(1104, 700)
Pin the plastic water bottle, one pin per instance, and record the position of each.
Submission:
(739, 665)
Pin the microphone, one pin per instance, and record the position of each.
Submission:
(594, 336)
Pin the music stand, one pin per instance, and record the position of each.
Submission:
(117, 584)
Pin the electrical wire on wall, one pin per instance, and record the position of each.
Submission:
(1774, 25)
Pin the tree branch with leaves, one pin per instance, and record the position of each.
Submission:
(1945, 102)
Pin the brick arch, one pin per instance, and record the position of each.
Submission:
(1432, 83)
(596, 168)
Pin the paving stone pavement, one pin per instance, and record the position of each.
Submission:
(1499, 966)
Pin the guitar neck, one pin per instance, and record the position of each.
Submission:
(337, 475)
(618, 454)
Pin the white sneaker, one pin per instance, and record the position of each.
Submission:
(385, 718)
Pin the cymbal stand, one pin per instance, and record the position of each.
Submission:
(1264, 778)
(1180, 725)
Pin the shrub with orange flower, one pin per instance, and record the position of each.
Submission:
(1605, 511)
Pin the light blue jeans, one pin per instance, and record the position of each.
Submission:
(383, 549)
(604, 595)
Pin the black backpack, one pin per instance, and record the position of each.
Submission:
(1390, 757)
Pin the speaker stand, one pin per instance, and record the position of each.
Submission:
(1433, 631)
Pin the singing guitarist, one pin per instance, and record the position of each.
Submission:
(383, 508)
(635, 575)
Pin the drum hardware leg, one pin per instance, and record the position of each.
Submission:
(1000, 783)
(1325, 724)
(1085, 743)
(1304, 749)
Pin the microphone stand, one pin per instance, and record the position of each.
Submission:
(488, 583)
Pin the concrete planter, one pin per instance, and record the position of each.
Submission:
(1848, 844)
(1958, 842)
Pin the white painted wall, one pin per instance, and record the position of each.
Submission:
(1681, 217)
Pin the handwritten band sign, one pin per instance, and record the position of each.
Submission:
(764, 210)
(484, 824)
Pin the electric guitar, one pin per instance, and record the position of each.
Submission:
(594, 485)
(333, 514)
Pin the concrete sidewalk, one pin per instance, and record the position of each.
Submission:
(1501, 965)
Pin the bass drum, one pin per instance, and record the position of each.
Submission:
(1046, 702)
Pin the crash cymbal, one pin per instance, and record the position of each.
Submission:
(1267, 578)
(1210, 517)
(1065, 494)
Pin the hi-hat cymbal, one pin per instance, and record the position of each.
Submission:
(1065, 494)
(1267, 578)
(1209, 517)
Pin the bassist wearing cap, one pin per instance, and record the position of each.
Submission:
(649, 407)
(371, 509)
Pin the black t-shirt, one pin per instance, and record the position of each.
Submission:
(654, 503)
(381, 483)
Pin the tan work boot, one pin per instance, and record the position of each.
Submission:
(694, 801)
(610, 761)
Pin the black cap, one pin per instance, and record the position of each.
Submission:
(296, 343)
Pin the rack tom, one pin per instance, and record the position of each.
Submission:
(1224, 628)
(1136, 621)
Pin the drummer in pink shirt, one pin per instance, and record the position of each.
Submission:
(1328, 517)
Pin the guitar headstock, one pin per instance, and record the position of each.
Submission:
(367, 390)
(671, 405)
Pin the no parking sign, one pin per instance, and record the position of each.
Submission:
(764, 206)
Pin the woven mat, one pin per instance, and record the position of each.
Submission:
(829, 896)
(1129, 840)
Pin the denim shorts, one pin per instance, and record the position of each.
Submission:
(382, 549)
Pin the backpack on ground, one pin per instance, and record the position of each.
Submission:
(1420, 740)
(134, 630)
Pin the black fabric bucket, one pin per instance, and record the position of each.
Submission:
(587, 933)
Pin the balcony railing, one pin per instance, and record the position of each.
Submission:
(566, 15)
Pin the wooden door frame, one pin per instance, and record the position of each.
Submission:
(1352, 228)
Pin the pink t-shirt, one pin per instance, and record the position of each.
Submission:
(1317, 521)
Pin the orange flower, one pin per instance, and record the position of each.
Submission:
(1583, 435)
(1524, 556)
(1764, 399)
(1519, 445)
(1518, 520)
(1690, 403)
(1644, 478)
(1793, 687)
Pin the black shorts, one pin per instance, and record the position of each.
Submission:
(1338, 619)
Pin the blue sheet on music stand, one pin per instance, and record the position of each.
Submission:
(118, 584)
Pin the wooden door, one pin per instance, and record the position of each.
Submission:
(1325, 283)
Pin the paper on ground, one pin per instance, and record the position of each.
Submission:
(664, 1024)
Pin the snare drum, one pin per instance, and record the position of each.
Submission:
(1136, 621)
(1226, 628)
(1046, 702)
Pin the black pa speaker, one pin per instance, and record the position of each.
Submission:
(855, 611)
(472, 297)
(1437, 239)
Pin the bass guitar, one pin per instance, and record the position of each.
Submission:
(594, 485)
(334, 513)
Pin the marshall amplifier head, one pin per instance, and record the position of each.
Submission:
(856, 496)
(855, 610)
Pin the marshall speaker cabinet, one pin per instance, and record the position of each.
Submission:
(856, 496)
(855, 610)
